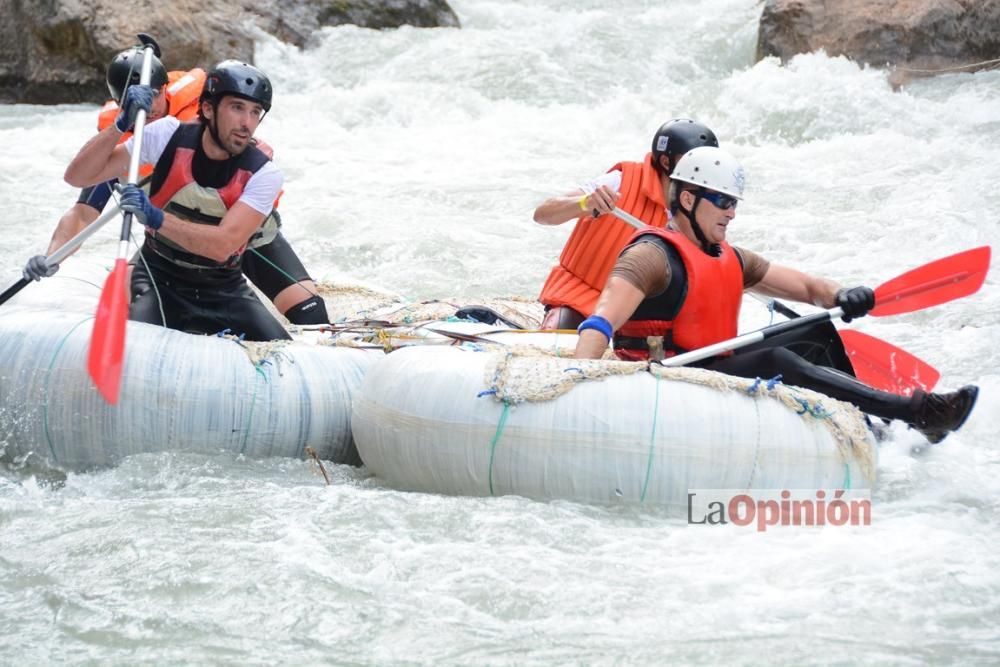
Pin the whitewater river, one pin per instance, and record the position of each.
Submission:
(413, 161)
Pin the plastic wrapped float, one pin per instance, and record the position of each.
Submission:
(480, 421)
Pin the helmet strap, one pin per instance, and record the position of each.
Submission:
(660, 168)
(213, 127)
(710, 249)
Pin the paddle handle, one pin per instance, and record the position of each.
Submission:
(68, 248)
(629, 218)
(9, 293)
(63, 252)
(751, 338)
(133, 163)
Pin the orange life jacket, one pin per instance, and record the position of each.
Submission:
(594, 246)
(706, 312)
(182, 92)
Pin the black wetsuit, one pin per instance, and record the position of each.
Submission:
(274, 267)
(181, 290)
(198, 300)
(271, 267)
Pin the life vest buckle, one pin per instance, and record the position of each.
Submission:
(655, 346)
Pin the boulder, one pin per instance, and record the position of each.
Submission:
(914, 37)
(54, 51)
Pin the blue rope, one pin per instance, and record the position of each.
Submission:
(755, 387)
(847, 477)
(818, 411)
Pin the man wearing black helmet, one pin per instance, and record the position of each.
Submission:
(272, 265)
(212, 189)
(123, 71)
(640, 188)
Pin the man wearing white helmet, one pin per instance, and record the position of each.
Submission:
(680, 288)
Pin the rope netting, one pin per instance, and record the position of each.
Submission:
(517, 374)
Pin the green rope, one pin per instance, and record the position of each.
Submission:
(652, 442)
(282, 271)
(847, 477)
(253, 399)
(45, 388)
(496, 439)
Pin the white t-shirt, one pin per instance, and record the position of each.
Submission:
(612, 179)
(261, 190)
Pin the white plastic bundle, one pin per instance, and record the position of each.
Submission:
(179, 392)
(425, 420)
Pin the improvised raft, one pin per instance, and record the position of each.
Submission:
(501, 413)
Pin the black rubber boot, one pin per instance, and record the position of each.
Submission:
(310, 311)
(940, 414)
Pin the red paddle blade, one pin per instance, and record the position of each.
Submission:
(934, 283)
(107, 342)
(885, 366)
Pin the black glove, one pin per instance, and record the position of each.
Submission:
(855, 301)
(135, 201)
(136, 97)
(37, 268)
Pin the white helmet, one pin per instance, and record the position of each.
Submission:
(712, 168)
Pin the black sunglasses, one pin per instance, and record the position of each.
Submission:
(720, 200)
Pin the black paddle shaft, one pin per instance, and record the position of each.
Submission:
(13, 289)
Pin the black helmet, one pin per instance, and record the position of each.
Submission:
(232, 77)
(125, 69)
(676, 137)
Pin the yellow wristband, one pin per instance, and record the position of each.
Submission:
(583, 202)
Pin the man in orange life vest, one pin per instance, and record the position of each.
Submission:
(211, 190)
(272, 264)
(680, 289)
(639, 188)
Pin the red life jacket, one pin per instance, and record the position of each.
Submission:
(593, 247)
(174, 189)
(699, 307)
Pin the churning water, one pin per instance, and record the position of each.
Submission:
(413, 160)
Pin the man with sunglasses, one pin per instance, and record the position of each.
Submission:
(638, 188)
(271, 264)
(680, 288)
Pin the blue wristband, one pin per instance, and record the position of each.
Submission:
(597, 323)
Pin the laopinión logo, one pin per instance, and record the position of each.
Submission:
(768, 508)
